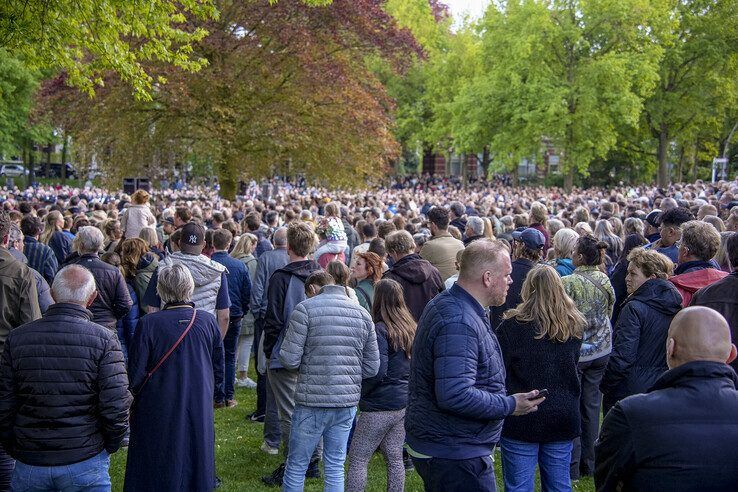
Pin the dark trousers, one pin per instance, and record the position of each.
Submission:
(261, 381)
(582, 456)
(471, 475)
(230, 348)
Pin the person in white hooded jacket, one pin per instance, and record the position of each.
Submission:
(137, 216)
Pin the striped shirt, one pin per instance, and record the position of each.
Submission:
(41, 258)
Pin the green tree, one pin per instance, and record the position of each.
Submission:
(569, 71)
(697, 76)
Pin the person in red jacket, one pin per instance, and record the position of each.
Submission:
(699, 244)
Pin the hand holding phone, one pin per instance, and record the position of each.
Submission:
(541, 394)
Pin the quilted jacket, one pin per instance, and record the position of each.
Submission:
(331, 340)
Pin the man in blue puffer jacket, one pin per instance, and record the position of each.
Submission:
(457, 400)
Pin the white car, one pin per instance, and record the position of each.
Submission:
(11, 171)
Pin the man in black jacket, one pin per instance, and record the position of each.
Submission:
(682, 434)
(722, 296)
(112, 301)
(64, 396)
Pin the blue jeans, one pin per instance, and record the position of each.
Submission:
(519, 460)
(230, 350)
(308, 426)
(90, 475)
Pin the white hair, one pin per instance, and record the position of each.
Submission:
(175, 284)
(476, 224)
(89, 240)
(73, 284)
(565, 242)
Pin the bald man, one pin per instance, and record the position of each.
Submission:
(683, 433)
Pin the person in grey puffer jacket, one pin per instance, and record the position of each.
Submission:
(331, 340)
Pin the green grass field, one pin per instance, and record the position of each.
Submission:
(241, 464)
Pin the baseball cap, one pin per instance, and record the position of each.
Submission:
(192, 239)
(168, 220)
(654, 217)
(532, 238)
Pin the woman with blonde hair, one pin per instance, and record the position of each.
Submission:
(138, 215)
(138, 264)
(111, 229)
(244, 251)
(721, 258)
(604, 232)
(381, 423)
(564, 244)
(54, 236)
(540, 342)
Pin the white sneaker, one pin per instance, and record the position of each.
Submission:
(246, 383)
(268, 449)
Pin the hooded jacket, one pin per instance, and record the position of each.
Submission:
(691, 279)
(420, 282)
(722, 296)
(146, 267)
(638, 356)
(266, 265)
(680, 436)
(564, 266)
(286, 290)
(207, 275)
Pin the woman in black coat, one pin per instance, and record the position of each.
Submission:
(638, 355)
(540, 342)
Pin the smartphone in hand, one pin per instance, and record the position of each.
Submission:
(541, 394)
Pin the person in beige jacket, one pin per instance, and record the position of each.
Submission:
(137, 216)
(440, 250)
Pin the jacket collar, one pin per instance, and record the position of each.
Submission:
(405, 259)
(692, 265)
(29, 240)
(460, 293)
(334, 290)
(68, 309)
(586, 268)
(691, 371)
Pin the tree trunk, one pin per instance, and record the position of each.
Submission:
(47, 165)
(663, 157)
(486, 161)
(515, 176)
(31, 164)
(64, 159)
(569, 180)
(694, 162)
(680, 168)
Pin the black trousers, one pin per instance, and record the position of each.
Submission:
(590, 401)
(470, 475)
(261, 382)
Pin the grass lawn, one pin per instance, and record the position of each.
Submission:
(241, 464)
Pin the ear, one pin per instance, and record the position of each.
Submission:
(733, 354)
(92, 299)
(670, 345)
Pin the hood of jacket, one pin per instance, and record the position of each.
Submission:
(413, 269)
(301, 269)
(565, 265)
(147, 262)
(204, 270)
(693, 281)
(660, 295)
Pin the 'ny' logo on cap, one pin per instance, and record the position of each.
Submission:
(193, 239)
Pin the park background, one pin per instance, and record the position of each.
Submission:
(347, 92)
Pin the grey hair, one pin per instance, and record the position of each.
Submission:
(73, 284)
(280, 237)
(89, 240)
(564, 243)
(476, 224)
(175, 284)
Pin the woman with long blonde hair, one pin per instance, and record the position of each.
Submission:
(54, 236)
(381, 423)
(540, 341)
(244, 251)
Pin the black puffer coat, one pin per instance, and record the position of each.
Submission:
(63, 389)
(638, 355)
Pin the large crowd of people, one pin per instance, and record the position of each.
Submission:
(435, 321)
